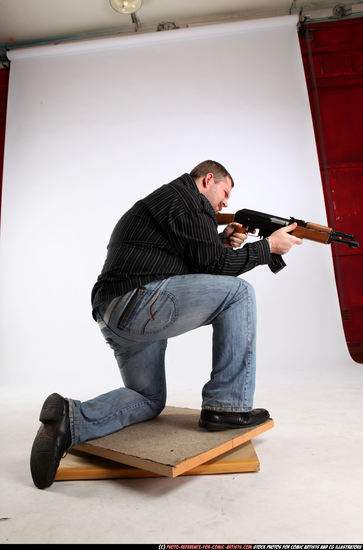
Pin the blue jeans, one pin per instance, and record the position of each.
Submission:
(137, 326)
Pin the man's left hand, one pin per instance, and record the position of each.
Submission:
(233, 235)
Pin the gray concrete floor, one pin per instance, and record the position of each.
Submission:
(309, 488)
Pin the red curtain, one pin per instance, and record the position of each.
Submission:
(333, 62)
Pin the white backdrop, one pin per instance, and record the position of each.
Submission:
(94, 126)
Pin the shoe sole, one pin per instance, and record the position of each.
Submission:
(218, 427)
(52, 408)
(43, 463)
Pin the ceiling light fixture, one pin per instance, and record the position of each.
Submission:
(126, 6)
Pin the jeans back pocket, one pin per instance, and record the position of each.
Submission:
(150, 313)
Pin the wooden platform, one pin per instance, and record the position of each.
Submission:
(170, 444)
(79, 465)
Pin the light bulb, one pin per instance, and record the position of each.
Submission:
(126, 6)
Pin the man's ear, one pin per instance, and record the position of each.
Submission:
(207, 180)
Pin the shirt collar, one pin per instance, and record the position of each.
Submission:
(189, 182)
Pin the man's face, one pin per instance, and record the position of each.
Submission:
(218, 193)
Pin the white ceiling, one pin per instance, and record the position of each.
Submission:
(27, 21)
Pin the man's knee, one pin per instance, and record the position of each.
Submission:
(157, 405)
(159, 409)
(243, 289)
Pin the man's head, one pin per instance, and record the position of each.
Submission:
(214, 182)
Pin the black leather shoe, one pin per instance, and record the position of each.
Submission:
(215, 421)
(52, 440)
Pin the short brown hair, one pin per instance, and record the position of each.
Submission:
(203, 168)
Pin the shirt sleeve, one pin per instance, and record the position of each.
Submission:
(196, 239)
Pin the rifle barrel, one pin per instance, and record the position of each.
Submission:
(343, 238)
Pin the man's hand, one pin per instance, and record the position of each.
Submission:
(281, 241)
(233, 235)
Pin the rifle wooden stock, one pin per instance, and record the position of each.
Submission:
(223, 219)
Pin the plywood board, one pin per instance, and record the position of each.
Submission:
(79, 465)
(170, 444)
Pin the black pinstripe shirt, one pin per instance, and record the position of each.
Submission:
(172, 231)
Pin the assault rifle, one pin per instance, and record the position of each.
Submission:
(267, 224)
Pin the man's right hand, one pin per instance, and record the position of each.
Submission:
(281, 241)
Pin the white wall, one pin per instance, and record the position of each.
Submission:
(94, 126)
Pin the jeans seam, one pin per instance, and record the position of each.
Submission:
(71, 421)
(248, 352)
(120, 411)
